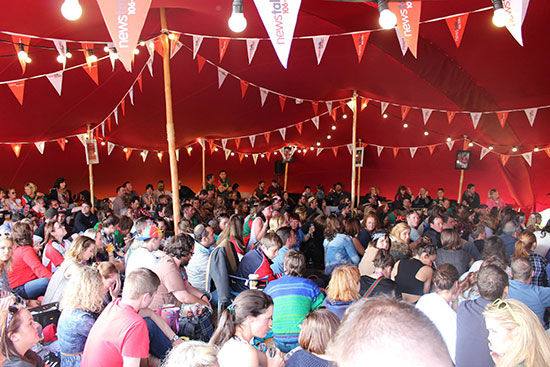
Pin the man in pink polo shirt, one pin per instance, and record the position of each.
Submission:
(119, 337)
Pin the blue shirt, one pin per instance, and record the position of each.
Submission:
(472, 337)
(72, 331)
(339, 251)
(535, 297)
(277, 265)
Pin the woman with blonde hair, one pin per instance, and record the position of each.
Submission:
(276, 222)
(192, 354)
(81, 304)
(525, 247)
(315, 333)
(81, 251)
(342, 290)
(400, 236)
(534, 222)
(516, 335)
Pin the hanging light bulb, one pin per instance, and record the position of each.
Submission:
(426, 133)
(500, 17)
(136, 51)
(125, 150)
(329, 137)
(103, 142)
(385, 115)
(333, 127)
(237, 21)
(491, 147)
(470, 144)
(215, 149)
(514, 149)
(142, 43)
(344, 116)
(106, 49)
(536, 149)
(299, 150)
(232, 154)
(318, 143)
(68, 55)
(22, 54)
(311, 148)
(71, 9)
(171, 36)
(387, 19)
(93, 58)
(61, 59)
(263, 155)
(405, 125)
(28, 60)
(449, 139)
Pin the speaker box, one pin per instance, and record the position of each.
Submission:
(279, 168)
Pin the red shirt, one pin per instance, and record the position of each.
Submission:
(26, 267)
(119, 331)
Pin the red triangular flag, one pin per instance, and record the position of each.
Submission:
(174, 43)
(211, 145)
(335, 151)
(404, 112)
(200, 62)
(364, 103)
(395, 151)
(268, 155)
(61, 142)
(237, 142)
(547, 150)
(18, 90)
(109, 123)
(16, 149)
(360, 41)
(123, 106)
(502, 116)
(299, 127)
(128, 153)
(408, 21)
(25, 42)
(241, 156)
(504, 159)
(343, 106)
(267, 136)
(315, 106)
(457, 25)
(92, 72)
(451, 116)
(159, 46)
(431, 148)
(223, 43)
(334, 114)
(244, 87)
(159, 155)
(140, 83)
(282, 100)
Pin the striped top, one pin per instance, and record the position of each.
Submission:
(294, 298)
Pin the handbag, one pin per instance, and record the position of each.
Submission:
(46, 314)
(195, 322)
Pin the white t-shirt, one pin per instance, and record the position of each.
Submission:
(443, 316)
(140, 258)
(232, 352)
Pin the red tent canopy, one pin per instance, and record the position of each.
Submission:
(489, 72)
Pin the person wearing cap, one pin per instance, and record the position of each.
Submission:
(49, 216)
(141, 253)
(313, 207)
(84, 219)
(337, 195)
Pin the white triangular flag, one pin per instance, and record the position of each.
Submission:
(484, 152)
(82, 138)
(320, 43)
(450, 144)
(475, 118)
(227, 153)
(40, 146)
(319, 150)
(402, 42)
(315, 121)
(279, 23)
(351, 104)
(252, 140)
(115, 112)
(144, 154)
(299, 101)
(197, 40)
(150, 65)
(175, 50)
(282, 151)
(350, 148)
(379, 149)
(383, 107)
(61, 46)
(110, 147)
(221, 76)
(177, 155)
(515, 10)
(224, 143)
(255, 158)
(201, 142)
(131, 95)
(531, 114)
(112, 56)
(528, 158)
(329, 106)
(57, 80)
(103, 129)
(150, 45)
(283, 133)
(426, 112)
(263, 95)
(251, 46)
(413, 151)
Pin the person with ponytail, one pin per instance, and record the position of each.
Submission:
(256, 230)
(525, 247)
(249, 316)
(18, 333)
(233, 233)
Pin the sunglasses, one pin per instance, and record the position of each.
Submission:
(501, 304)
(12, 310)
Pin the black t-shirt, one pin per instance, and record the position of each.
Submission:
(384, 287)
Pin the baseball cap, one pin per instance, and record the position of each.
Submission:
(150, 232)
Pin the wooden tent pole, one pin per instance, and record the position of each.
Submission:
(170, 131)
(353, 143)
(286, 175)
(203, 164)
(91, 173)
(358, 181)
(461, 180)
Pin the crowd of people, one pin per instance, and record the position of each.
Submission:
(271, 278)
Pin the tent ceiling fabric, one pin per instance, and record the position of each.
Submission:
(490, 71)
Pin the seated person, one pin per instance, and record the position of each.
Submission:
(28, 277)
(258, 260)
(141, 253)
(343, 289)
(315, 333)
(288, 237)
(194, 353)
(54, 247)
(294, 297)
(196, 268)
(379, 281)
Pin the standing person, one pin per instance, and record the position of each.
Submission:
(294, 297)
(119, 337)
(471, 197)
(414, 275)
(339, 249)
(249, 317)
(224, 185)
(119, 203)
